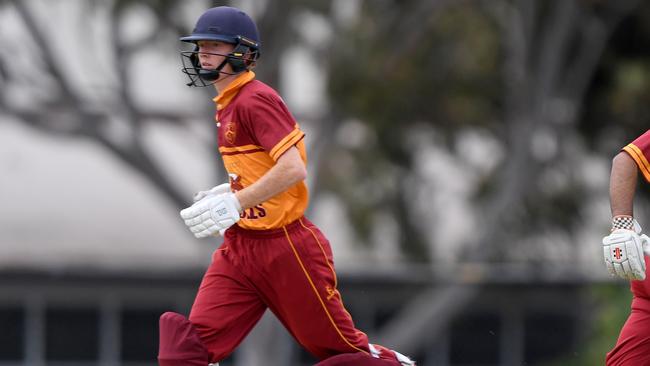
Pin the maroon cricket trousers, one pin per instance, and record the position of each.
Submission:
(288, 270)
(633, 344)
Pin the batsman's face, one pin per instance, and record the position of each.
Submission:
(212, 53)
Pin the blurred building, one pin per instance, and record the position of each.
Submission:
(112, 318)
(88, 266)
(91, 254)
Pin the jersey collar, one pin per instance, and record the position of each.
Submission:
(231, 90)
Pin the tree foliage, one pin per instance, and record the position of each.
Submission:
(480, 128)
(545, 83)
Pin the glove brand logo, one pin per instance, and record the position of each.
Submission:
(221, 211)
(231, 132)
(617, 253)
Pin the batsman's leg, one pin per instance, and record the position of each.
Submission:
(358, 359)
(180, 345)
(310, 305)
(224, 311)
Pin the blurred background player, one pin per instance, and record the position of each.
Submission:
(624, 252)
(272, 256)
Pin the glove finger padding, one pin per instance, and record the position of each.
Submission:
(214, 191)
(212, 214)
(635, 251)
(623, 253)
(645, 241)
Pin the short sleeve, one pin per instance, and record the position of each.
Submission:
(272, 125)
(639, 150)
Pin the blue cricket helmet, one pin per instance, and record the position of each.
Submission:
(225, 24)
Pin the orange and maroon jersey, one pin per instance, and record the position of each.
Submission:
(639, 150)
(254, 129)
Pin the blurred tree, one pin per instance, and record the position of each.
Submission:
(518, 72)
(61, 105)
(464, 122)
(89, 89)
(515, 72)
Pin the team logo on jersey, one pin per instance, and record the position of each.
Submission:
(231, 132)
(251, 213)
(235, 182)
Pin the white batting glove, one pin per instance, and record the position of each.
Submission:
(220, 189)
(624, 249)
(645, 241)
(211, 215)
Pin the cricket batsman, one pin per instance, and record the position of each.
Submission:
(272, 255)
(625, 250)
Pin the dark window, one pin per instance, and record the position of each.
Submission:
(475, 340)
(306, 358)
(12, 324)
(548, 336)
(140, 335)
(384, 313)
(72, 335)
(228, 361)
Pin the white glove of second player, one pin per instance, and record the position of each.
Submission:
(212, 213)
(624, 251)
